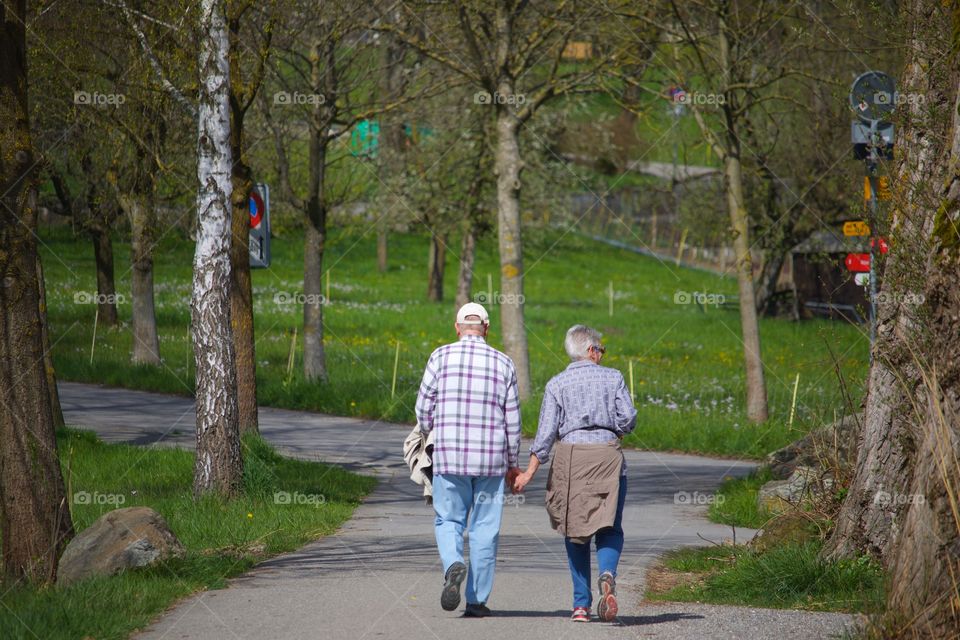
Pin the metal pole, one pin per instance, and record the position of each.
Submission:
(872, 223)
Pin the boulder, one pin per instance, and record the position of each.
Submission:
(779, 495)
(830, 446)
(118, 540)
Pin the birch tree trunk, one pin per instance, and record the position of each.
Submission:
(34, 515)
(507, 168)
(218, 466)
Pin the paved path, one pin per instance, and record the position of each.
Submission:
(380, 577)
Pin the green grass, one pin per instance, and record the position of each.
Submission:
(222, 538)
(789, 576)
(736, 502)
(688, 370)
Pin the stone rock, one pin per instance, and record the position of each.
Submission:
(118, 540)
(832, 445)
(780, 495)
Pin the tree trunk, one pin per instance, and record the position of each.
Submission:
(767, 281)
(392, 137)
(241, 303)
(755, 386)
(106, 284)
(508, 165)
(146, 344)
(314, 353)
(241, 288)
(218, 465)
(382, 231)
(436, 265)
(756, 389)
(902, 503)
(468, 252)
(55, 408)
(34, 515)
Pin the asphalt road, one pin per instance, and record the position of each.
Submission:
(380, 576)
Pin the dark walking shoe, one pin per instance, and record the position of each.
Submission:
(607, 607)
(581, 614)
(450, 596)
(476, 611)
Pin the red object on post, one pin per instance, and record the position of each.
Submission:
(858, 262)
(884, 247)
(256, 209)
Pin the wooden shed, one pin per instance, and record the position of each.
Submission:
(823, 287)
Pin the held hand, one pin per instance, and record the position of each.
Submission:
(511, 478)
(521, 482)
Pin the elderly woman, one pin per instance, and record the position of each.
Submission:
(585, 413)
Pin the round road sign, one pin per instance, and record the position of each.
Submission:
(872, 96)
(256, 209)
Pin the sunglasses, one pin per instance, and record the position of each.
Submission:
(600, 350)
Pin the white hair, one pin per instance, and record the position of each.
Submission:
(579, 339)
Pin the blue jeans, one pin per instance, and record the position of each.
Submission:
(609, 543)
(454, 498)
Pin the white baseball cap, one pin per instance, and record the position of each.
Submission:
(472, 309)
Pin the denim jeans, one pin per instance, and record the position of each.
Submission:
(609, 543)
(455, 498)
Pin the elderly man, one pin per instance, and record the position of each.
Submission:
(468, 399)
(588, 409)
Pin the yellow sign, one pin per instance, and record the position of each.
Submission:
(883, 188)
(856, 228)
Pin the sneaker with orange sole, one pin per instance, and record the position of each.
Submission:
(607, 607)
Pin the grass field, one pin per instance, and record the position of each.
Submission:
(222, 538)
(687, 361)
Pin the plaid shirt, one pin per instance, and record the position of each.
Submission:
(468, 398)
(586, 404)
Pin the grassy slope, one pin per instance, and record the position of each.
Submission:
(222, 539)
(790, 576)
(687, 364)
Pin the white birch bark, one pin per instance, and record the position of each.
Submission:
(218, 465)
